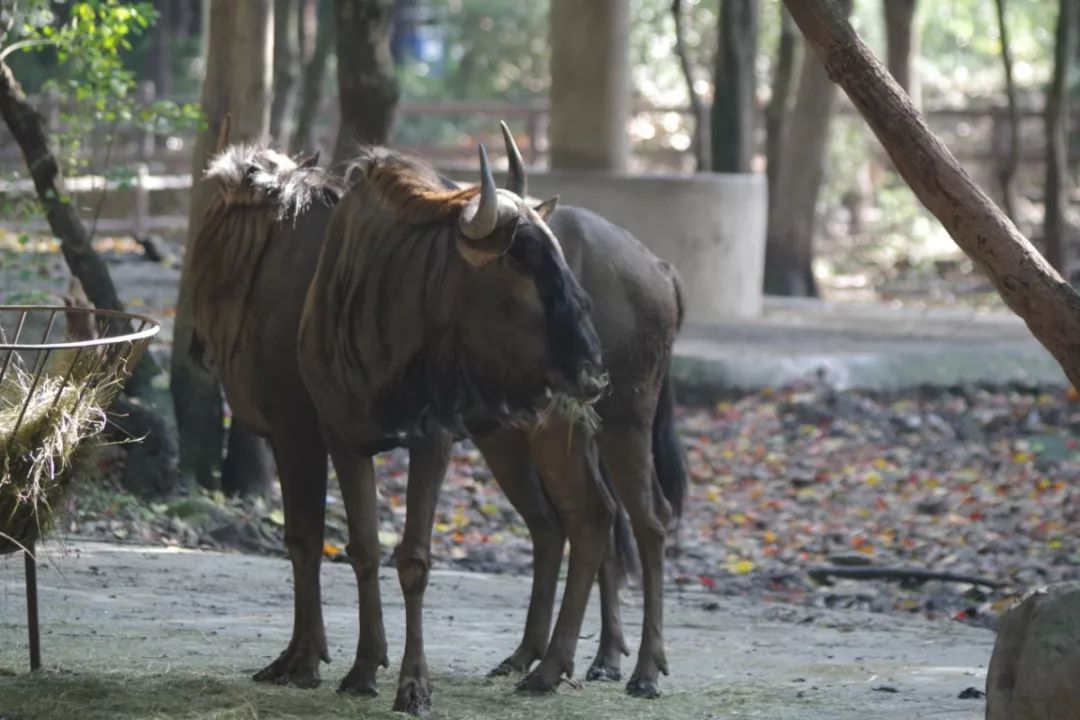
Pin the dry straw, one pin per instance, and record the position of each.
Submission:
(38, 451)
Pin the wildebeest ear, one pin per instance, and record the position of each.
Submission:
(547, 207)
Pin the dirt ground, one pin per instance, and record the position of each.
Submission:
(141, 632)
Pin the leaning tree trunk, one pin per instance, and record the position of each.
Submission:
(1027, 283)
(700, 147)
(1055, 228)
(237, 84)
(367, 87)
(286, 65)
(150, 467)
(311, 85)
(1011, 161)
(902, 43)
(789, 245)
(735, 83)
(778, 111)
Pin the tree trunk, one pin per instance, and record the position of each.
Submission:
(303, 139)
(590, 85)
(735, 86)
(154, 457)
(700, 146)
(1011, 161)
(237, 83)
(789, 246)
(286, 65)
(367, 87)
(778, 110)
(1025, 280)
(249, 464)
(1055, 228)
(159, 53)
(902, 45)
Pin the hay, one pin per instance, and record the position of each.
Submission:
(36, 457)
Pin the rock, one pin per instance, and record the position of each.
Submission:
(1036, 661)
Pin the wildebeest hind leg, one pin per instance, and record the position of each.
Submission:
(587, 512)
(301, 461)
(627, 453)
(356, 475)
(607, 663)
(428, 460)
(507, 454)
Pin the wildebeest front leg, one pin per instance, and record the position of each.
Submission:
(356, 474)
(301, 461)
(627, 453)
(507, 454)
(428, 460)
(587, 512)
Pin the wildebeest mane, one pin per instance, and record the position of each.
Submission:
(259, 190)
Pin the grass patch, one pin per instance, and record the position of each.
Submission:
(194, 696)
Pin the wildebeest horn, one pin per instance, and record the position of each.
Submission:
(223, 132)
(309, 162)
(486, 215)
(515, 178)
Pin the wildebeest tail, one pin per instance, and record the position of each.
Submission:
(669, 460)
(627, 565)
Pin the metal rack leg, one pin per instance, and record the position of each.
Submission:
(32, 609)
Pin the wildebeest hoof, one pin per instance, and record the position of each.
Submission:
(360, 680)
(292, 669)
(642, 688)
(536, 684)
(602, 669)
(509, 666)
(413, 698)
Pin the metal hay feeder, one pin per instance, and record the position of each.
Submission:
(49, 354)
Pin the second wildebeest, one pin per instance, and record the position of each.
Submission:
(420, 307)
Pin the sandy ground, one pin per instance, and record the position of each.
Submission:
(133, 619)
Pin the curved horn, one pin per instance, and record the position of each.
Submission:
(484, 217)
(516, 181)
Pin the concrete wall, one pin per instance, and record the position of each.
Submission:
(710, 226)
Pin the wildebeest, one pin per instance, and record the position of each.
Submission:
(419, 309)
(637, 311)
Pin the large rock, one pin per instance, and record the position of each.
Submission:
(1035, 669)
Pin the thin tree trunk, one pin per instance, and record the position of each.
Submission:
(700, 147)
(367, 87)
(237, 83)
(303, 139)
(1025, 280)
(1055, 228)
(778, 110)
(159, 56)
(286, 70)
(789, 246)
(735, 83)
(902, 42)
(151, 465)
(1011, 161)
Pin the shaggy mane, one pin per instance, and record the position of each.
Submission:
(259, 176)
(406, 185)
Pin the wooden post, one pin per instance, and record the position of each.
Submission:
(140, 229)
(147, 137)
(32, 629)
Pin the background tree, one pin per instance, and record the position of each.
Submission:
(311, 85)
(287, 33)
(1056, 118)
(701, 145)
(1010, 161)
(1026, 281)
(367, 87)
(734, 108)
(902, 45)
(778, 111)
(789, 245)
(237, 84)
